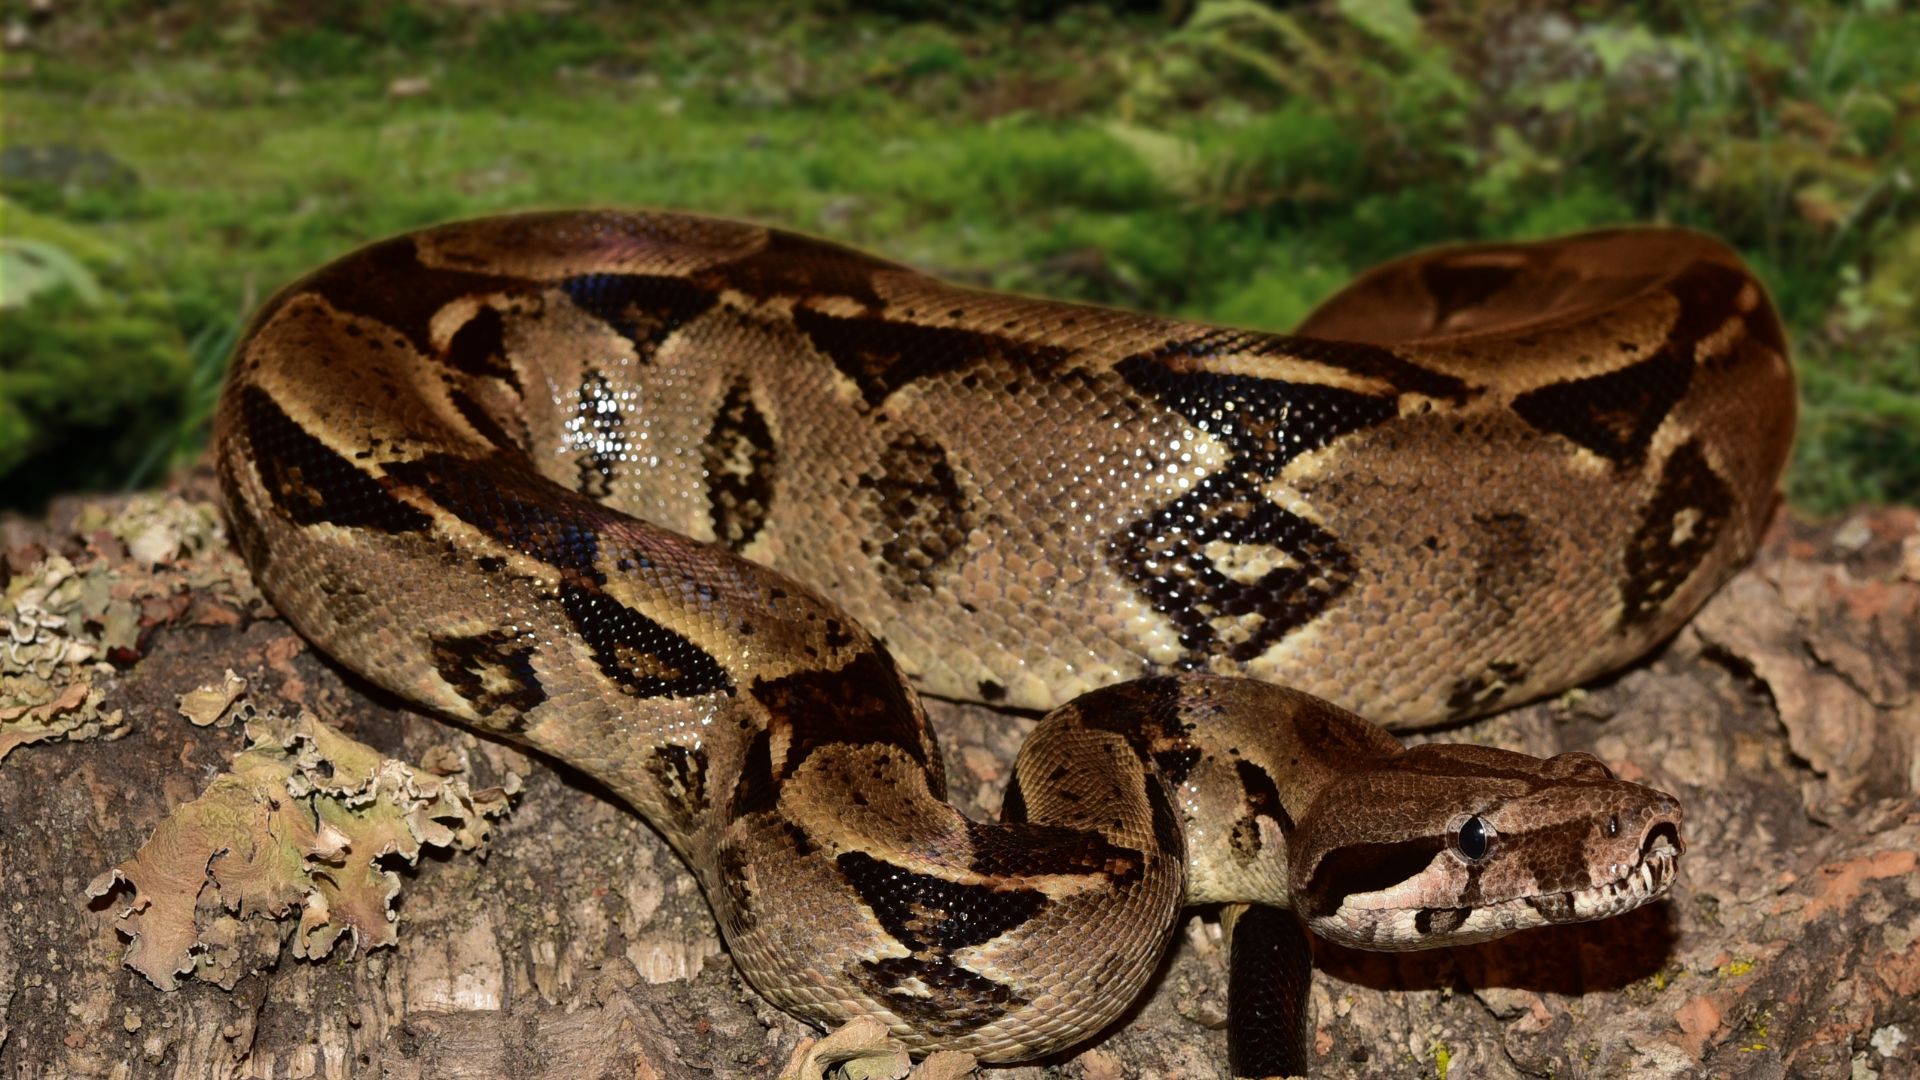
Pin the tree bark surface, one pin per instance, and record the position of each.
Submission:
(572, 944)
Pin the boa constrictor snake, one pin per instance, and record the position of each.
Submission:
(588, 481)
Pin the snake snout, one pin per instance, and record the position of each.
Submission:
(1662, 836)
(1661, 814)
(1661, 845)
(1641, 834)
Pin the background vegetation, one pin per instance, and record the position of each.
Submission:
(164, 166)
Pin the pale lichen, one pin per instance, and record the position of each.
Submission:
(300, 837)
(51, 655)
(85, 603)
(213, 703)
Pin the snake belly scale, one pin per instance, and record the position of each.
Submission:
(693, 505)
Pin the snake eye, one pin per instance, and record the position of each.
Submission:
(1613, 825)
(1474, 839)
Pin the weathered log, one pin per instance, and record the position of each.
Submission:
(1786, 716)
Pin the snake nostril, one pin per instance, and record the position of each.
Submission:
(1663, 833)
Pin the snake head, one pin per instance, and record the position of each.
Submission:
(1447, 844)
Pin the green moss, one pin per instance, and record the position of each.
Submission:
(93, 376)
(1236, 166)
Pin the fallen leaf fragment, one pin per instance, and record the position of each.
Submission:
(209, 704)
(305, 823)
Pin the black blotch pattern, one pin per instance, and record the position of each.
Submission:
(1369, 361)
(861, 703)
(1677, 529)
(641, 656)
(1429, 921)
(1166, 558)
(933, 919)
(1708, 292)
(1021, 849)
(991, 691)
(1262, 799)
(1365, 868)
(479, 348)
(1176, 763)
(1146, 711)
(1165, 821)
(681, 771)
(602, 427)
(645, 309)
(493, 671)
(883, 355)
(1615, 414)
(478, 418)
(1269, 974)
(312, 484)
(927, 913)
(502, 497)
(740, 461)
(954, 1000)
(1265, 423)
(797, 837)
(925, 514)
(1013, 805)
(756, 791)
(387, 282)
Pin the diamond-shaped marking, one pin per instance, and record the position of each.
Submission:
(1169, 555)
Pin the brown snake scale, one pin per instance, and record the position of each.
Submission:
(686, 503)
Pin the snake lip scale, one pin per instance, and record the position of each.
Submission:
(702, 508)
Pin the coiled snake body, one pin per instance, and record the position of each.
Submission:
(588, 480)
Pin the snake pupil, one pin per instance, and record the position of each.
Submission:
(1474, 838)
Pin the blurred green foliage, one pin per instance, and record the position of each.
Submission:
(93, 381)
(169, 165)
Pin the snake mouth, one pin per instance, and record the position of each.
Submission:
(1632, 884)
